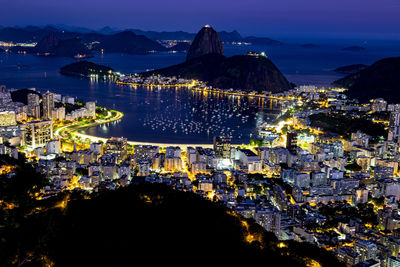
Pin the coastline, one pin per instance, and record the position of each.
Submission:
(73, 130)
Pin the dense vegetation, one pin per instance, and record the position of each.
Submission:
(345, 125)
(22, 95)
(255, 73)
(380, 80)
(86, 68)
(144, 222)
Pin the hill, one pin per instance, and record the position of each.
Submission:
(350, 69)
(180, 47)
(52, 45)
(242, 72)
(141, 223)
(85, 68)
(205, 61)
(262, 41)
(22, 95)
(381, 79)
(206, 42)
(127, 42)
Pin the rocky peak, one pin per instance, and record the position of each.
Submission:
(206, 42)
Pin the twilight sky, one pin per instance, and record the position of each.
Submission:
(284, 18)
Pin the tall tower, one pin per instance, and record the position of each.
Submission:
(291, 142)
(34, 105)
(222, 146)
(48, 105)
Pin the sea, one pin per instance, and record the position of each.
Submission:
(180, 115)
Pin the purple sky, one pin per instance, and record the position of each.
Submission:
(344, 18)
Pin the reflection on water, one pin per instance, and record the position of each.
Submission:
(171, 115)
(181, 115)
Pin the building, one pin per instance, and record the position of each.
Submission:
(5, 96)
(118, 146)
(366, 250)
(38, 133)
(172, 164)
(291, 142)
(34, 105)
(53, 147)
(393, 262)
(145, 152)
(173, 152)
(97, 148)
(91, 109)
(48, 105)
(348, 256)
(222, 146)
(7, 118)
(58, 114)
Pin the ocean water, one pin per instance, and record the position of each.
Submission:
(174, 116)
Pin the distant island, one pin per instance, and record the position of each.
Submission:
(350, 69)
(206, 62)
(85, 69)
(354, 48)
(309, 46)
(380, 80)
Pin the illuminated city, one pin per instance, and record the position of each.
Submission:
(122, 144)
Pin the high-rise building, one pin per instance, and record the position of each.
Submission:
(7, 118)
(118, 146)
(91, 109)
(5, 95)
(222, 146)
(34, 105)
(38, 133)
(393, 262)
(366, 250)
(291, 142)
(48, 105)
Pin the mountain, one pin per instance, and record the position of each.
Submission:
(225, 36)
(354, 48)
(148, 223)
(350, 69)
(205, 62)
(206, 42)
(180, 47)
(174, 35)
(51, 45)
(233, 36)
(33, 34)
(261, 41)
(108, 30)
(242, 72)
(85, 68)
(380, 80)
(128, 42)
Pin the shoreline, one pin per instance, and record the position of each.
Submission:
(96, 139)
(62, 132)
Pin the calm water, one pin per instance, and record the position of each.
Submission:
(172, 115)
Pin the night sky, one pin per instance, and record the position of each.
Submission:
(341, 18)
